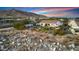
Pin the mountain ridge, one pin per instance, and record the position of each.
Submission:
(19, 13)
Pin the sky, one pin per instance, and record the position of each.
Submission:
(49, 11)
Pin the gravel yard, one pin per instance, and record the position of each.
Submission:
(27, 40)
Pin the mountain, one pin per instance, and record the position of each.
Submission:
(19, 14)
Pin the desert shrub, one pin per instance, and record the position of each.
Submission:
(58, 31)
(19, 26)
(44, 29)
(63, 29)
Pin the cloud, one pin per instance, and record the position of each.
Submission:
(58, 11)
(47, 9)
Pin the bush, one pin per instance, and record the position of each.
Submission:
(19, 26)
(44, 29)
(58, 31)
(63, 29)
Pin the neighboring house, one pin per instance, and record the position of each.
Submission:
(29, 25)
(74, 24)
(4, 23)
(51, 23)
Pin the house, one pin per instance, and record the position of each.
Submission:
(4, 23)
(29, 25)
(74, 23)
(50, 23)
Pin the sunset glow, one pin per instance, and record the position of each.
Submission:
(49, 11)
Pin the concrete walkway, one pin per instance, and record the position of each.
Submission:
(4, 29)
